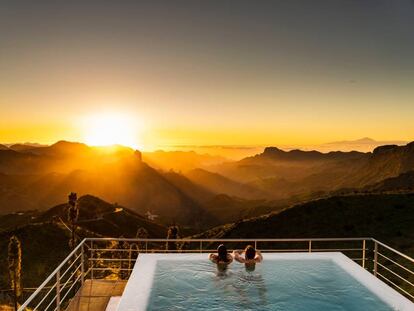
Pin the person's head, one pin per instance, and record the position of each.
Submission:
(222, 252)
(249, 252)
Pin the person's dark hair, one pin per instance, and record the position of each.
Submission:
(222, 253)
(249, 252)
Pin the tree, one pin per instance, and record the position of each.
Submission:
(172, 235)
(73, 214)
(142, 233)
(15, 268)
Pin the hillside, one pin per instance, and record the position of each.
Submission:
(385, 162)
(179, 160)
(283, 174)
(403, 182)
(95, 216)
(34, 179)
(228, 209)
(41, 177)
(24, 147)
(43, 247)
(45, 237)
(217, 183)
(292, 165)
(387, 217)
(199, 193)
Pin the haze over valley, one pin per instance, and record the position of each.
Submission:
(180, 186)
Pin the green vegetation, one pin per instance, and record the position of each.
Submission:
(387, 217)
(45, 236)
(15, 269)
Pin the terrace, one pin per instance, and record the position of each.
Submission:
(95, 274)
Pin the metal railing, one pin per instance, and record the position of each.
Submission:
(114, 259)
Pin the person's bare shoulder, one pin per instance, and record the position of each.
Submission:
(258, 257)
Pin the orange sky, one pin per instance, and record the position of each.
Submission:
(207, 74)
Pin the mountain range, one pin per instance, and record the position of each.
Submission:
(41, 176)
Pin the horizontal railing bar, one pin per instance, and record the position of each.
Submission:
(396, 274)
(92, 296)
(111, 259)
(337, 249)
(276, 250)
(32, 296)
(394, 250)
(114, 249)
(396, 263)
(395, 285)
(204, 251)
(188, 251)
(227, 240)
(213, 250)
(110, 269)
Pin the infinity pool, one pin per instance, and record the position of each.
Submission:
(286, 282)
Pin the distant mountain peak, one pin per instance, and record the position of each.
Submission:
(272, 150)
(365, 140)
(65, 143)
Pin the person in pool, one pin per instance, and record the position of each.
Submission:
(251, 257)
(222, 258)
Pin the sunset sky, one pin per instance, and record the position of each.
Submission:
(206, 72)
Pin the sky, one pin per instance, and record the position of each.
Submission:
(206, 72)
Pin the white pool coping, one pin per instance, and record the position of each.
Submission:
(138, 289)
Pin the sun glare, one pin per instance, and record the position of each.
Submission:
(111, 129)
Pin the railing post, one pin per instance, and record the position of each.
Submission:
(201, 246)
(91, 260)
(363, 254)
(82, 265)
(375, 258)
(255, 244)
(146, 246)
(58, 290)
(310, 246)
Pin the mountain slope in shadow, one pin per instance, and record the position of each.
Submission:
(45, 235)
(41, 177)
(387, 217)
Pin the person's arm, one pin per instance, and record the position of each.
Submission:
(237, 256)
(213, 257)
(258, 257)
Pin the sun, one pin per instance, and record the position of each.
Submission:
(111, 129)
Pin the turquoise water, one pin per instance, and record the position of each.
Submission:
(285, 285)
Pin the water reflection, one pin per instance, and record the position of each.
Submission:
(251, 288)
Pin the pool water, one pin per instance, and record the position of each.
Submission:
(311, 285)
(285, 281)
